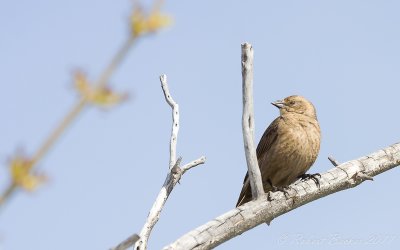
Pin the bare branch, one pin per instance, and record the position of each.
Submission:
(251, 214)
(174, 175)
(175, 120)
(194, 163)
(155, 211)
(257, 189)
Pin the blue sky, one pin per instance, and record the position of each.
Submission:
(106, 170)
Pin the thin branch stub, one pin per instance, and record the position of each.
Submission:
(333, 161)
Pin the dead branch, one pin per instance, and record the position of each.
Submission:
(241, 219)
(174, 175)
(257, 189)
(266, 208)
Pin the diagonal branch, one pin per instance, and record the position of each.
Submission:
(241, 219)
(71, 116)
(257, 189)
(174, 175)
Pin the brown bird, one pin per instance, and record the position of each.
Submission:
(288, 147)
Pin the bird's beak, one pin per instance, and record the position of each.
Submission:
(279, 104)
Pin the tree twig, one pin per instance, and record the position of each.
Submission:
(174, 175)
(251, 214)
(257, 189)
(194, 163)
(127, 243)
(72, 114)
(172, 178)
(333, 161)
(175, 120)
(116, 61)
(8, 192)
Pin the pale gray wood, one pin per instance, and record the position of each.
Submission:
(238, 220)
(174, 175)
(175, 120)
(257, 189)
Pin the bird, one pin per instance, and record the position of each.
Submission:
(288, 147)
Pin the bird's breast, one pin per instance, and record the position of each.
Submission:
(303, 141)
(295, 150)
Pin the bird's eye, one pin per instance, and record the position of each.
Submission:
(292, 102)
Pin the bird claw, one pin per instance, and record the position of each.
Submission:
(284, 190)
(312, 177)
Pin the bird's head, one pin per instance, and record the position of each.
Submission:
(296, 104)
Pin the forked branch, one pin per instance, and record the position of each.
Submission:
(174, 175)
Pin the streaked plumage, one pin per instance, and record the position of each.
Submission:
(288, 147)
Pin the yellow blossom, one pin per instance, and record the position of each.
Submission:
(142, 23)
(102, 96)
(22, 175)
(157, 21)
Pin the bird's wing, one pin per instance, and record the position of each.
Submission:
(267, 140)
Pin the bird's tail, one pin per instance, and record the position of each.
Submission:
(245, 194)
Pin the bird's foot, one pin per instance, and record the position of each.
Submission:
(284, 190)
(312, 177)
